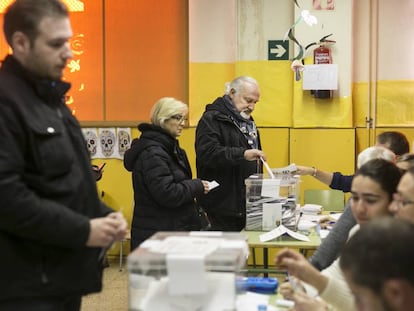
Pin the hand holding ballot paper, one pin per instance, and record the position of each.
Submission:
(212, 184)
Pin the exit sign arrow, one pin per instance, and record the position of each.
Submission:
(278, 50)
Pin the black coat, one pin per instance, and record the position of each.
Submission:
(220, 147)
(164, 190)
(47, 190)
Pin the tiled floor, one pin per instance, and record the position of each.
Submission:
(114, 296)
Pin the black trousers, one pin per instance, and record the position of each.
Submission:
(226, 223)
(42, 304)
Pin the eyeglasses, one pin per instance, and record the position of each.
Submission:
(179, 118)
(400, 202)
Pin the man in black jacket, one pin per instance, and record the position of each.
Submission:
(53, 227)
(228, 151)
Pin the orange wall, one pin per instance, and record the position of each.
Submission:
(127, 54)
(157, 33)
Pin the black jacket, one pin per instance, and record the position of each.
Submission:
(164, 190)
(220, 147)
(47, 191)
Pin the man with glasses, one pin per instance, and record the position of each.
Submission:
(228, 151)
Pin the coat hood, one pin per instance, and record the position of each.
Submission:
(150, 137)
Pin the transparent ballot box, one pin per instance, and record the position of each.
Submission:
(271, 201)
(192, 271)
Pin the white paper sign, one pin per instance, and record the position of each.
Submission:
(320, 77)
(272, 213)
(270, 188)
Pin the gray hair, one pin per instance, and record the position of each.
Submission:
(238, 84)
(375, 152)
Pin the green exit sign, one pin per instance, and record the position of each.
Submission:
(278, 50)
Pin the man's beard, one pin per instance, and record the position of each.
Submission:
(246, 114)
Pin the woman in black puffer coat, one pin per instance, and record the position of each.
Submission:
(164, 191)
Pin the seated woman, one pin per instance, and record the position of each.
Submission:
(372, 191)
(164, 191)
(328, 251)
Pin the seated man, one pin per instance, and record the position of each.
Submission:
(378, 265)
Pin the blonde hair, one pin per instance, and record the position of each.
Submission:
(165, 108)
(375, 152)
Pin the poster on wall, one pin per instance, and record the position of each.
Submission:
(124, 140)
(91, 138)
(104, 143)
(107, 145)
(323, 4)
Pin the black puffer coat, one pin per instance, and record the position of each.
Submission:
(164, 190)
(48, 193)
(220, 147)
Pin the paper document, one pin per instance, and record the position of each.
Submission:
(320, 77)
(212, 184)
(269, 171)
(313, 209)
(291, 168)
(279, 231)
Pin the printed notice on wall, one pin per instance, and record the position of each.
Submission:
(320, 77)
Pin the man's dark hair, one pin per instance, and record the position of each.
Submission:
(395, 141)
(382, 249)
(25, 16)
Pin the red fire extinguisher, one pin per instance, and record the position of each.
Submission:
(322, 55)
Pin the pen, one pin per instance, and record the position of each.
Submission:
(108, 247)
(293, 282)
(297, 221)
(102, 166)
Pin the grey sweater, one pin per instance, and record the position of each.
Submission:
(331, 246)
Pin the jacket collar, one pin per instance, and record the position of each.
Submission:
(48, 90)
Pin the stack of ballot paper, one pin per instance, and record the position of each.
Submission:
(311, 209)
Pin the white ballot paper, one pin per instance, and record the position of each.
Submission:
(279, 231)
(290, 169)
(212, 184)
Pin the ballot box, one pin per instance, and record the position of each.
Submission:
(186, 271)
(271, 201)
